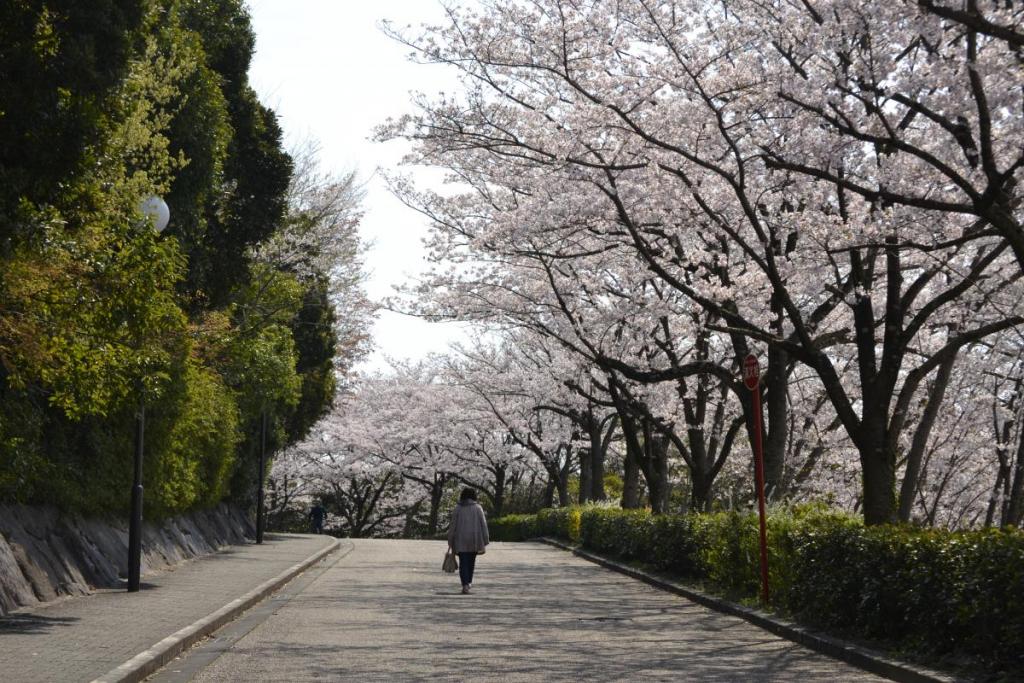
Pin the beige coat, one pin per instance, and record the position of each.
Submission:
(468, 530)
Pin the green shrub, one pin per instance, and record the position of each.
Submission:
(990, 609)
(730, 551)
(623, 533)
(513, 528)
(679, 546)
(818, 588)
(925, 590)
(561, 523)
(932, 591)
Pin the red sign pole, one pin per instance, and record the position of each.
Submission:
(751, 378)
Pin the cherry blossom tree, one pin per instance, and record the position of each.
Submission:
(485, 456)
(509, 391)
(342, 464)
(670, 129)
(911, 104)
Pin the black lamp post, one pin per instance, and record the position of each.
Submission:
(263, 468)
(156, 210)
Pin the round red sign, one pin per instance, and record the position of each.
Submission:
(751, 372)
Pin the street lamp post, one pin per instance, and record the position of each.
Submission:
(260, 512)
(156, 210)
(135, 521)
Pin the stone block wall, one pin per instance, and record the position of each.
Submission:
(45, 555)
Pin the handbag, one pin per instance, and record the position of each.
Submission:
(450, 563)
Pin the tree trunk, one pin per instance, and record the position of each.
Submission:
(997, 497)
(878, 465)
(564, 500)
(499, 491)
(436, 493)
(410, 519)
(531, 490)
(586, 456)
(657, 479)
(700, 493)
(630, 481)
(920, 441)
(549, 493)
(563, 482)
(635, 458)
(655, 468)
(777, 427)
(597, 475)
(594, 466)
(1014, 505)
(599, 440)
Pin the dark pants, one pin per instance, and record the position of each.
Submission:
(467, 562)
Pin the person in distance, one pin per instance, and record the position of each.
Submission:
(467, 535)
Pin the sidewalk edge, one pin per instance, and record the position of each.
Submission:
(145, 663)
(861, 657)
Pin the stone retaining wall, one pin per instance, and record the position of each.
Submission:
(45, 555)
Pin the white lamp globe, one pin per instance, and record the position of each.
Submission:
(157, 211)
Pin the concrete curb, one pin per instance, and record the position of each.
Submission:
(861, 657)
(145, 663)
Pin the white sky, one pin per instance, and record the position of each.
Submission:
(331, 75)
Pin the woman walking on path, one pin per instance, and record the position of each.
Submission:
(467, 535)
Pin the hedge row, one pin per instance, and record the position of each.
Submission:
(930, 591)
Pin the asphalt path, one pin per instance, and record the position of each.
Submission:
(83, 638)
(385, 612)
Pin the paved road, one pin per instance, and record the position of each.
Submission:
(385, 612)
(82, 638)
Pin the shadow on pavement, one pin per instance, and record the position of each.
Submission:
(527, 621)
(32, 623)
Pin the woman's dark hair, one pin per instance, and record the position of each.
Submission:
(467, 494)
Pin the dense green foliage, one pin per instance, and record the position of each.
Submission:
(513, 528)
(929, 591)
(104, 104)
(559, 522)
